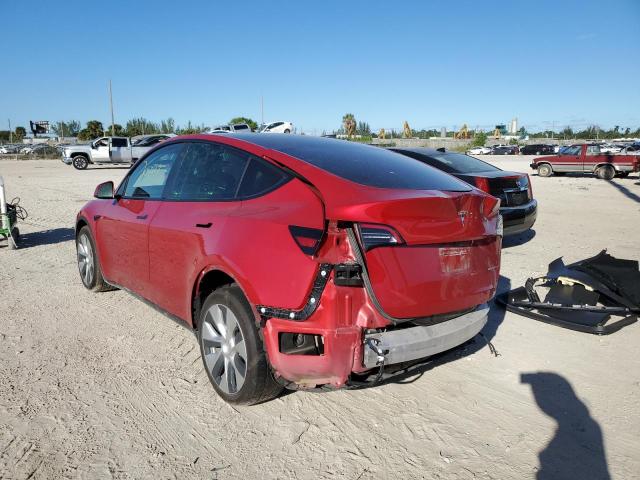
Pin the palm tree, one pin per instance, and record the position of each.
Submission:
(349, 122)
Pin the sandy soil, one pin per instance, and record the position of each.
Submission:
(101, 385)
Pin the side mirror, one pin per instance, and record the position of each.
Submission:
(104, 190)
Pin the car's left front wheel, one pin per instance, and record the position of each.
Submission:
(88, 263)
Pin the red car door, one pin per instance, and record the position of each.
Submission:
(229, 210)
(122, 232)
(568, 161)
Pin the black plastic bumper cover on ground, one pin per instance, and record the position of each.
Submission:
(599, 295)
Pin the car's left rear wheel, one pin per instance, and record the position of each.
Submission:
(606, 172)
(232, 351)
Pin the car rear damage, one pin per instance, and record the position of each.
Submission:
(401, 275)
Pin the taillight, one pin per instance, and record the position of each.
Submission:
(308, 239)
(378, 236)
(529, 188)
(482, 183)
(490, 206)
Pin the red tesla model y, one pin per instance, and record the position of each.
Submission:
(298, 261)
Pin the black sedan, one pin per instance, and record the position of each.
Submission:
(504, 150)
(517, 205)
(538, 149)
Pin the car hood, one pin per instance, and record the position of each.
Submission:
(78, 148)
(548, 157)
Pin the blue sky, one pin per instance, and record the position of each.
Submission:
(432, 63)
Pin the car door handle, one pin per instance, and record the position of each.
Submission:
(142, 217)
(204, 225)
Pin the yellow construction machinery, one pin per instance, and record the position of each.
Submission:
(406, 133)
(463, 133)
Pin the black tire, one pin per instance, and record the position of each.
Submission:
(623, 174)
(287, 131)
(15, 237)
(606, 172)
(258, 384)
(545, 170)
(80, 162)
(94, 282)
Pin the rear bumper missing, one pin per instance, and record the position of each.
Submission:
(413, 343)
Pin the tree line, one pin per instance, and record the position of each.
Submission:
(136, 126)
(349, 126)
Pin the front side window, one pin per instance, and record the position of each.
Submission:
(208, 172)
(149, 178)
(575, 150)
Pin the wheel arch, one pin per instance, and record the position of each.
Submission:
(82, 222)
(208, 280)
(604, 164)
(82, 154)
(539, 164)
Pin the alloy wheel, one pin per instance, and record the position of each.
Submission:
(80, 163)
(225, 351)
(86, 263)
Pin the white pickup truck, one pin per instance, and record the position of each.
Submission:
(111, 150)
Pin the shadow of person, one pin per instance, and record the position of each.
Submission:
(625, 191)
(46, 237)
(577, 449)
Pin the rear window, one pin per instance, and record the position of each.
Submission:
(458, 163)
(363, 164)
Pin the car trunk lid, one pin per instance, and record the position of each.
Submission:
(445, 257)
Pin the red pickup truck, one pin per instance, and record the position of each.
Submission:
(587, 158)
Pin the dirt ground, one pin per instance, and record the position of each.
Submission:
(103, 386)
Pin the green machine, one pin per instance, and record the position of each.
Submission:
(9, 214)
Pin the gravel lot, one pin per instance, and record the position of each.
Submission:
(103, 386)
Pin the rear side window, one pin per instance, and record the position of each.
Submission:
(208, 172)
(261, 177)
(119, 142)
(149, 178)
(593, 150)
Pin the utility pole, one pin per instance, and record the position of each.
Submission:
(261, 109)
(111, 105)
(10, 132)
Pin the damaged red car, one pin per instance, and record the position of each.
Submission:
(299, 262)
